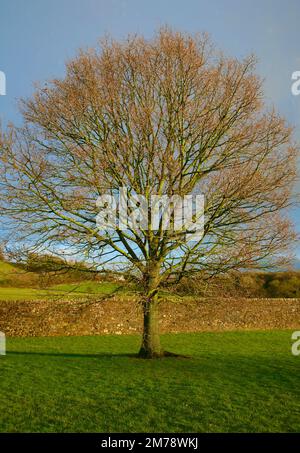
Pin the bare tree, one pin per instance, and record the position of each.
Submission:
(167, 117)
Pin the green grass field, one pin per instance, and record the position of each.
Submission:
(82, 289)
(25, 289)
(233, 382)
(90, 287)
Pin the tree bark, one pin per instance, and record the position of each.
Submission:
(151, 347)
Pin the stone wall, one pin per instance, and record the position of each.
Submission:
(121, 315)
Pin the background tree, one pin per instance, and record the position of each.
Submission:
(169, 116)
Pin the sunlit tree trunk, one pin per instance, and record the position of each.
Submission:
(151, 346)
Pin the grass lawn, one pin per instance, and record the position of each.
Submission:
(25, 294)
(234, 381)
(90, 287)
(34, 294)
(82, 289)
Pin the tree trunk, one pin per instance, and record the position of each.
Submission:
(151, 347)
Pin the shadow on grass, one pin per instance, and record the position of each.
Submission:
(71, 355)
(95, 356)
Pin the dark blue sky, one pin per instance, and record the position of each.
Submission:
(38, 36)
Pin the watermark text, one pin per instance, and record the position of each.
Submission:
(2, 84)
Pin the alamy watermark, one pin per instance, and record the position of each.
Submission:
(295, 88)
(2, 84)
(2, 344)
(126, 210)
(296, 344)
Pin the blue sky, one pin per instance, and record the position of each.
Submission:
(38, 36)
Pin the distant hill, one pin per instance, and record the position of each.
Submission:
(12, 275)
(7, 272)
